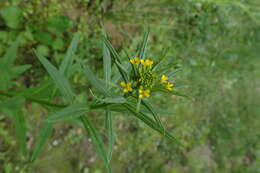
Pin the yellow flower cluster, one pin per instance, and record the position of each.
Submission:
(126, 87)
(144, 62)
(167, 84)
(144, 93)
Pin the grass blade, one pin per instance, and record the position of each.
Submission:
(68, 113)
(68, 59)
(45, 133)
(97, 141)
(59, 79)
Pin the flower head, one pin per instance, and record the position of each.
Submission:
(169, 86)
(126, 87)
(164, 79)
(146, 62)
(144, 93)
(136, 60)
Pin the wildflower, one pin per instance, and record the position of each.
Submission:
(127, 87)
(164, 79)
(169, 86)
(144, 93)
(136, 60)
(146, 62)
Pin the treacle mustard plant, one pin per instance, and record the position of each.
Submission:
(136, 85)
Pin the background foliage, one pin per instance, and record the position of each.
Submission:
(214, 42)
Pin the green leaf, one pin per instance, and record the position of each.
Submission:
(68, 113)
(173, 92)
(155, 115)
(69, 56)
(12, 16)
(106, 64)
(117, 99)
(59, 79)
(148, 121)
(114, 100)
(10, 55)
(154, 67)
(142, 49)
(12, 108)
(17, 70)
(94, 81)
(45, 133)
(110, 132)
(116, 59)
(43, 37)
(115, 55)
(20, 129)
(97, 141)
(58, 44)
(12, 104)
(43, 90)
(59, 23)
(43, 50)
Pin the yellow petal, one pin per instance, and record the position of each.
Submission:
(128, 84)
(130, 89)
(123, 84)
(132, 61)
(136, 59)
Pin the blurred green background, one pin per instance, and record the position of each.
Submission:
(215, 42)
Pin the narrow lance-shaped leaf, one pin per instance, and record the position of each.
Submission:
(109, 118)
(148, 121)
(20, 129)
(69, 56)
(97, 141)
(106, 64)
(94, 81)
(116, 59)
(45, 133)
(155, 115)
(12, 108)
(110, 132)
(68, 113)
(112, 50)
(173, 92)
(142, 49)
(59, 79)
(10, 55)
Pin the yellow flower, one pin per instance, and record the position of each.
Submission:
(164, 79)
(136, 60)
(146, 62)
(144, 93)
(169, 86)
(127, 87)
